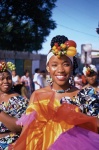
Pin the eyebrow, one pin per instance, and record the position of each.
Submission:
(62, 62)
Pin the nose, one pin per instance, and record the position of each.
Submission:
(5, 80)
(60, 69)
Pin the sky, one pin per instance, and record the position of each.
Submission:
(76, 19)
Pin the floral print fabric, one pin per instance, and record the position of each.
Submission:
(15, 107)
(87, 100)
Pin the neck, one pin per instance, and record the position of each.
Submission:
(61, 89)
(94, 85)
(5, 93)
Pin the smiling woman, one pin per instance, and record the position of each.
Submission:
(50, 120)
(12, 106)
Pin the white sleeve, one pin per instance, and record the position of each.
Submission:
(40, 81)
(35, 78)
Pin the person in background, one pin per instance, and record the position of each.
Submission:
(88, 96)
(24, 91)
(32, 84)
(84, 81)
(12, 106)
(51, 122)
(16, 82)
(44, 80)
(15, 78)
(26, 78)
(78, 81)
(37, 79)
(91, 74)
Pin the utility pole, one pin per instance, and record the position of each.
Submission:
(86, 57)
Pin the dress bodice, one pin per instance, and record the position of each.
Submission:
(15, 107)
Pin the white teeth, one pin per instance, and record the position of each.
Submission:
(60, 77)
(5, 85)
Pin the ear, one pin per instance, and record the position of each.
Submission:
(47, 68)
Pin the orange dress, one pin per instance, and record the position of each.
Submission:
(50, 120)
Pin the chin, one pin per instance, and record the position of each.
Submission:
(5, 90)
(92, 83)
(61, 83)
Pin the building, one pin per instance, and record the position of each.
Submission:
(24, 60)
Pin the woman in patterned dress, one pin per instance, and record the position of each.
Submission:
(91, 74)
(88, 98)
(12, 106)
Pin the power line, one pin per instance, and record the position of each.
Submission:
(77, 31)
(73, 18)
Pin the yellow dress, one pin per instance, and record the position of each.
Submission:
(51, 119)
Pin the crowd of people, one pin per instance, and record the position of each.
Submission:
(26, 84)
(54, 110)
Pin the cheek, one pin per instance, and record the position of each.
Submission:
(52, 69)
(68, 70)
(10, 81)
(0, 82)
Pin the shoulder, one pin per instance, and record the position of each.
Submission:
(40, 92)
(14, 94)
(86, 86)
(74, 91)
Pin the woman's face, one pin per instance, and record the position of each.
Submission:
(60, 69)
(5, 81)
(91, 79)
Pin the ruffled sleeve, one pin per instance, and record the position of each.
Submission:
(16, 106)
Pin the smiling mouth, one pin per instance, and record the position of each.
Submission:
(6, 86)
(61, 78)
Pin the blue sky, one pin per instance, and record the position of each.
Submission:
(76, 19)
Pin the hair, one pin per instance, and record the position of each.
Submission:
(58, 39)
(26, 71)
(36, 70)
(75, 64)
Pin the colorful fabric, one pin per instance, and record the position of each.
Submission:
(87, 100)
(50, 120)
(76, 139)
(15, 107)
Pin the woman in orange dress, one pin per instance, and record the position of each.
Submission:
(50, 122)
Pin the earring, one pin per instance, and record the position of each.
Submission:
(71, 80)
(49, 80)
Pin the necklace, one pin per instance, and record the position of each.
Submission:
(62, 91)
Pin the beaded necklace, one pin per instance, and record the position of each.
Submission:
(62, 91)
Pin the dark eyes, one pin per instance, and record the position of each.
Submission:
(65, 64)
(8, 78)
(54, 65)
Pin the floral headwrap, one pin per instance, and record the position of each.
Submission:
(6, 66)
(60, 45)
(89, 69)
